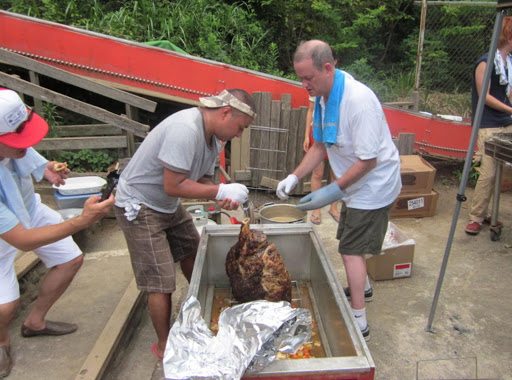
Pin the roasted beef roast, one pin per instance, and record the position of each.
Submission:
(255, 269)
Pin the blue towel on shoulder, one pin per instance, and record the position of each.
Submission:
(326, 130)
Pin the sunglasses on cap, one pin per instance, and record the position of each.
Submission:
(21, 127)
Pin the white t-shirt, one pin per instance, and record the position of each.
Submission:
(363, 133)
(177, 143)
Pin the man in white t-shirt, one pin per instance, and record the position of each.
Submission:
(350, 126)
(176, 160)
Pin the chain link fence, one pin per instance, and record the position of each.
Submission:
(456, 33)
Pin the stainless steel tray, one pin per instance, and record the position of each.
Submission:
(305, 257)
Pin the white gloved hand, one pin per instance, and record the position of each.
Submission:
(234, 191)
(286, 185)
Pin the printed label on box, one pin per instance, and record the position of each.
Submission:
(416, 203)
(402, 270)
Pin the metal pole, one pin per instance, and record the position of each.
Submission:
(477, 118)
(421, 38)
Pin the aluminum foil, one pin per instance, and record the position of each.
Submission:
(249, 336)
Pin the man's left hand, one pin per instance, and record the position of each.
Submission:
(320, 198)
(56, 178)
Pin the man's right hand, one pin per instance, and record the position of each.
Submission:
(286, 186)
(94, 210)
(235, 191)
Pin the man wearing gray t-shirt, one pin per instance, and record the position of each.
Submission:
(176, 159)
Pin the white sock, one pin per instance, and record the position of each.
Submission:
(360, 318)
(367, 285)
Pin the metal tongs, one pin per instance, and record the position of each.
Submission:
(112, 179)
(248, 209)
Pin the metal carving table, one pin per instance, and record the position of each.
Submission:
(500, 148)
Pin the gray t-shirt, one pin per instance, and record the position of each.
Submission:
(177, 143)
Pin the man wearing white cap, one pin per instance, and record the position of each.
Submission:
(176, 159)
(26, 224)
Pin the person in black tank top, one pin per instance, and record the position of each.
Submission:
(496, 118)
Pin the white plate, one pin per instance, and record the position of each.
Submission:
(70, 213)
(81, 185)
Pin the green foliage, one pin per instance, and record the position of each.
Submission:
(87, 160)
(458, 31)
(473, 174)
(52, 117)
(388, 87)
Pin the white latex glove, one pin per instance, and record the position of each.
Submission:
(286, 185)
(234, 191)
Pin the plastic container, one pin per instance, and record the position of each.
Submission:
(200, 217)
(72, 201)
(81, 185)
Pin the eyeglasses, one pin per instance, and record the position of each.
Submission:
(21, 127)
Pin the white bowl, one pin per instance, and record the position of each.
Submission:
(81, 185)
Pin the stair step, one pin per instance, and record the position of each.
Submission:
(107, 343)
(101, 300)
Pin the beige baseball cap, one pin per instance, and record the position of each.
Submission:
(225, 98)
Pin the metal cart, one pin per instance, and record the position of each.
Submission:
(500, 148)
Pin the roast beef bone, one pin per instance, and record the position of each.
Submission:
(255, 268)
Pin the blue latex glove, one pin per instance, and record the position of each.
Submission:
(320, 198)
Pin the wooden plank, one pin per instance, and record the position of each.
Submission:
(245, 151)
(266, 108)
(284, 124)
(99, 357)
(77, 80)
(25, 263)
(406, 143)
(273, 157)
(132, 114)
(235, 146)
(270, 183)
(79, 143)
(38, 103)
(74, 105)
(292, 141)
(242, 175)
(254, 153)
(87, 130)
(301, 129)
(286, 101)
(306, 187)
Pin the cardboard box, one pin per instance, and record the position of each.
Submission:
(396, 259)
(417, 174)
(415, 205)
